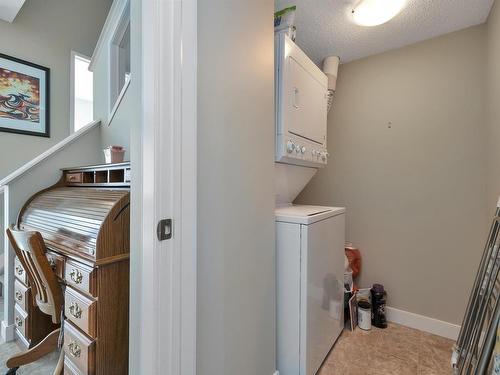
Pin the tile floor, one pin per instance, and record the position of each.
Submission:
(396, 350)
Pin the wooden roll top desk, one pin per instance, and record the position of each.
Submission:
(84, 220)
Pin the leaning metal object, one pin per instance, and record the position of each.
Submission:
(474, 347)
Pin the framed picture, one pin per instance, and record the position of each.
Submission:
(24, 97)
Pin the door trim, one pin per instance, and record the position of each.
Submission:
(167, 275)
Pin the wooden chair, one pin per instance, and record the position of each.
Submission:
(46, 291)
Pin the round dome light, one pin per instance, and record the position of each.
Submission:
(376, 12)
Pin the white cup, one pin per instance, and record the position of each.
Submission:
(365, 315)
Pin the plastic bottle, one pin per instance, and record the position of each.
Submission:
(378, 306)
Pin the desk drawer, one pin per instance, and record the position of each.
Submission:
(81, 311)
(80, 276)
(21, 321)
(79, 349)
(56, 262)
(20, 272)
(70, 368)
(21, 295)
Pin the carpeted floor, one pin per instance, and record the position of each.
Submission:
(44, 366)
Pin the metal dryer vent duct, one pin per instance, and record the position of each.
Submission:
(331, 69)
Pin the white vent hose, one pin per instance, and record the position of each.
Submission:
(329, 96)
(331, 68)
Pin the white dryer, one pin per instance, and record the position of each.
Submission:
(310, 270)
(301, 91)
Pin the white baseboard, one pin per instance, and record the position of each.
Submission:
(7, 332)
(423, 323)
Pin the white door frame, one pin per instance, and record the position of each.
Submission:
(168, 269)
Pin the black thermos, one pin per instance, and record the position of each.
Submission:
(378, 306)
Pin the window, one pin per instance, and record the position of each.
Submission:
(123, 61)
(82, 92)
(119, 62)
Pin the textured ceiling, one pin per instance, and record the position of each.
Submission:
(325, 27)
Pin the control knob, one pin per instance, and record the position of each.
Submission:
(303, 149)
(290, 146)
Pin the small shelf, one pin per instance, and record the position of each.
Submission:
(88, 177)
(117, 175)
(103, 175)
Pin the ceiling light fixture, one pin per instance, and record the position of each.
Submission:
(376, 12)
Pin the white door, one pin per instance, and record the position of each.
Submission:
(163, 276)
(323, 291)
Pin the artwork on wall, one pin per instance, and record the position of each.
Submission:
(24, 97)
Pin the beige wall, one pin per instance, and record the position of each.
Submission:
(45, 32)
(493, 104)
(414, 190)
(236, 318)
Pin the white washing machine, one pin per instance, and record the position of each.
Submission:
(310, 271)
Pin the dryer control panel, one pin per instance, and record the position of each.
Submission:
(301, 106)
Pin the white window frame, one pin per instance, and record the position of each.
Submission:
(73, 55)
(120, 29)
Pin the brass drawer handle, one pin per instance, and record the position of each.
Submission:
(75, 310)
(76, 276)
(52, 263)
(19, 270)
(19, 321)
(74, 349)
(19, 296)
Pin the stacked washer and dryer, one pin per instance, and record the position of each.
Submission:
(309, 239)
